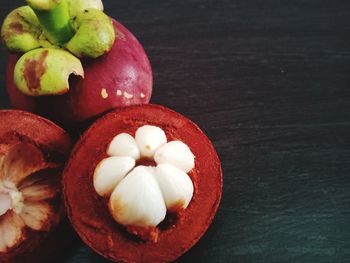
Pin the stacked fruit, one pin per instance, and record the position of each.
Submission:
(143, 182)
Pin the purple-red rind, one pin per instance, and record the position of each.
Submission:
(121, 77)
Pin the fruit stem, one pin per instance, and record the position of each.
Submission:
(54, 17)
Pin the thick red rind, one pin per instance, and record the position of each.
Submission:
(125, 68)
(88, 212)
(56, 145)
(41, 131)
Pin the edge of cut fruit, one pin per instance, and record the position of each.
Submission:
(114, 235)
(55, 144)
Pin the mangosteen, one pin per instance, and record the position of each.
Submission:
(33, 151)
(142, 184)
(70, 62)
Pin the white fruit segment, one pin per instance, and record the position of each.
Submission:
(36, 215)
(17, 201)
(40, 192)
(138, 200)
(10, 198)
(149, 139)
(176, 186)
(124, 145)
(142, 197)
(5, 203)
(11, 226)
(109, 172)
(176, 153)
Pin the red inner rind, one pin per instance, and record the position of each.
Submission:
(42, 132)
(16, 126)
(87, 210)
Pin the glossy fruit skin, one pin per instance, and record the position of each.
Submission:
(56, 144)
(122, 77)
(88, 212)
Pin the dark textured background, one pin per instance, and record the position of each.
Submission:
(268, 81)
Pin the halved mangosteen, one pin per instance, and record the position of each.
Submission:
(142, 185)
(33, 151)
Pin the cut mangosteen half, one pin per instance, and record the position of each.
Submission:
(142, 185)
(32, 154)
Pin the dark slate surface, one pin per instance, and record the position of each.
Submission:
(268, 81)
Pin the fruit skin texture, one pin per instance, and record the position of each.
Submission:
(122, 77)
(89, 214)
(56, 145)
(43, 132)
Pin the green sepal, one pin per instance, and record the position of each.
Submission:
(45, 71)
(22, 32)
(94, 35)
(77, 6)
(43, 4)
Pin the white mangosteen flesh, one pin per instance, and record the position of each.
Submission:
(139, 195)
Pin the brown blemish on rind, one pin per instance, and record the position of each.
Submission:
(177, 206)
(17, 27)
(33, 71)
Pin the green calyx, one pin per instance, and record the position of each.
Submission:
(43, 30)
(54, 17)
(78, 6)
(45, 71)
(43, 5)
(21, 31)
(94, 36)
